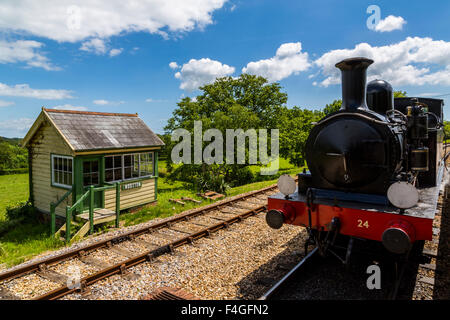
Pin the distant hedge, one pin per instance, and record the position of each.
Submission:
(13, 171)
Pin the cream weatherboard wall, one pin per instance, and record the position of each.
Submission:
(132, 197)
(46, 142)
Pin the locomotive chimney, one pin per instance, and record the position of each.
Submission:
(354, 78)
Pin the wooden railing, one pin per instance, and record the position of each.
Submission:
(53, 206)
(90, 193)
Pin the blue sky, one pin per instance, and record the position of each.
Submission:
(115, 58)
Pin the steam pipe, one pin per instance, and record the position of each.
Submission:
(354, 77)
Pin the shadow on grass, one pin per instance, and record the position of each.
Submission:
(24, 236)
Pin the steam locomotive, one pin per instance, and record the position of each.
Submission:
(375, 168)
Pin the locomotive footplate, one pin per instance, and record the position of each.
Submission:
(374, 221)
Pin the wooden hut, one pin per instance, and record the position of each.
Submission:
(70, 151)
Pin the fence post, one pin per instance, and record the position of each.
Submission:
(68, 222)
(91, 209)
(52, 219)
(117, 203)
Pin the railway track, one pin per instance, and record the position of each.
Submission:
(278, 286)
(131, 248)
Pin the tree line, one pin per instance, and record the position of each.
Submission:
(13, 158)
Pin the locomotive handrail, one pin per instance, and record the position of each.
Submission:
(399, 113)
(359, 115)
(438, 120)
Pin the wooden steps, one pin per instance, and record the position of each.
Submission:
(100, 216)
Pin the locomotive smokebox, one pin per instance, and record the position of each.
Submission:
(354, 149)
(380, 96)
(353, 75)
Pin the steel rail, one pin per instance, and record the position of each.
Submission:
(120, 268)
(276, 288)
(36, 266)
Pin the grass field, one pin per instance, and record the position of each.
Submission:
(13, 190)
(27, 239)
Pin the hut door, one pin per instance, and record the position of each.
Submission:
(91, 176)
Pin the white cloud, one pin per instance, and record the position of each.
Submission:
(390, 23)
(115, 52)
(413, 61)
(95, 45)
(24, 90)
(21, 124)
(196, 73)
(25, 51)
(102, 102)
(427, 94)
(289, 59)
(65, 22)
(6, 103)
(99, 47)
(173, 65)
(70, 107)
(150, 100)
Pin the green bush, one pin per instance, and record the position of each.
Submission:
(209, 180)
(240, 176)
(13, 171)
(22, 211)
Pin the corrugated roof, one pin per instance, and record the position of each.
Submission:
(95, 130)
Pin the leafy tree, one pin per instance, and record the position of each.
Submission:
(12, 156)
(333, 107)
(227, 100)
(400, 94)
(446, 130)
(164, 153)
(295, 125)
(247, 102)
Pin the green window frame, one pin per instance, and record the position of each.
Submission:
(129, 166)
(62, 171)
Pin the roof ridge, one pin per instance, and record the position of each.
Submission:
(91, 112)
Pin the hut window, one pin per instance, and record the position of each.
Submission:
(146, 164)
(113, 168)
(90, 173)
(62, 171)
(128, 166)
